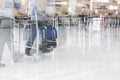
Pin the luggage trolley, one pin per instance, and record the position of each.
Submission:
(20, 43)
(21, 32)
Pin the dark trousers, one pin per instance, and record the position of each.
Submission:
(31, 35)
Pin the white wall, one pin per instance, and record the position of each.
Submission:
(50, 10)
(7, 8)
(41, 4)
(72, 7)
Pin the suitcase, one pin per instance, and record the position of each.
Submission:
(49, 36)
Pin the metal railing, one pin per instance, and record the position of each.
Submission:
(87, 21)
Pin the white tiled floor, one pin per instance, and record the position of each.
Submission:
(80, 55)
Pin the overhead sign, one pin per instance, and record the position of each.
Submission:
(111, 7)
(55, 2)
(101, 1)
(61, 3)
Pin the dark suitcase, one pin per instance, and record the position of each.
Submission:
(49, 37)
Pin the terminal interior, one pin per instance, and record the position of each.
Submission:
(88, 40)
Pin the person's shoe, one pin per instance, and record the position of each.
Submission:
(17, 56)
(27, 52)
(2, 65)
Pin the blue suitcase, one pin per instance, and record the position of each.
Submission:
(49, 37)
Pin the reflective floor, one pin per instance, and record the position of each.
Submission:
(80, 55)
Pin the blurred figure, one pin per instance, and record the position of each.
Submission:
(5, 37)
(42, 21)
(116, 18)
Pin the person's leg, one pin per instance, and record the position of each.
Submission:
(31, 38)
(3, 39)
(1, 52)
